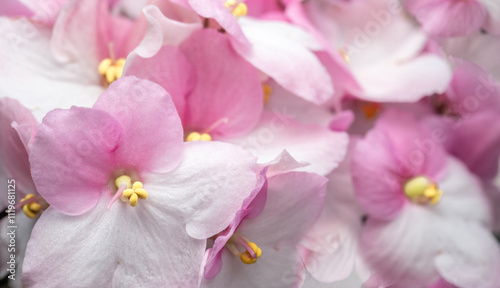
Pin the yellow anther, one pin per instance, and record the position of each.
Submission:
(128, 192)
(137, 185)
(267, 92)
(255, 249)
(111, 70)
(31, 209)
(142, 193)
(247, 258)
(238, 8)
(133, 200)
(422, 190)
(133, 194)
(195, 136)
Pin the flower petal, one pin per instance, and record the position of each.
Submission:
(137, 245)
(322, 148)
(210, 185)
(239, 99)
(152, 130)
(294, 202)
(283, 52)
(72, 157)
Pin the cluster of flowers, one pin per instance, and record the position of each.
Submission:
(257, 143)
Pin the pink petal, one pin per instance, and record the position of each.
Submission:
(215, 9)
(210, 185)
(448, 18)
(276, 268)
(15, 8)
(152, 131)
(13, 152)
(284, 52)
(88, 44)
(72, 157)
(294, 203)
(163, 31)
(63, 85)
(321, 148)
(169, 68)
(136, 242)
(239, 99)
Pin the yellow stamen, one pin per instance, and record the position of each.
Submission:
(32, 209)
(422, 190)
(238, 8)
(110, 70)
(135, 191)
(247, 258)
(195, 136)
(267, 92)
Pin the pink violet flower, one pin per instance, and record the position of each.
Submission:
(72, 56)
(262, 237)
(364, 33)
(95, 155)
(420, 227)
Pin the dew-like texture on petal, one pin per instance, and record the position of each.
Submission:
(284, 52)
(169, 68)
(72, 157)
(322, 148)
(143, 246)
(152, 130)
(15, 8)
(162, 31)
(294, 202)
(210, 185)
(226, 86)
(63, 84)
(448, 18)
(216, 9)
(274, 269)
(13, 152)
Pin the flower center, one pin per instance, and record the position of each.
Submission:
(423, 191)
(111, 70)
(251, 253)
(238, 8)
(128, 192)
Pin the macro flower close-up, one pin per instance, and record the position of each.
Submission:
(250, 143)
